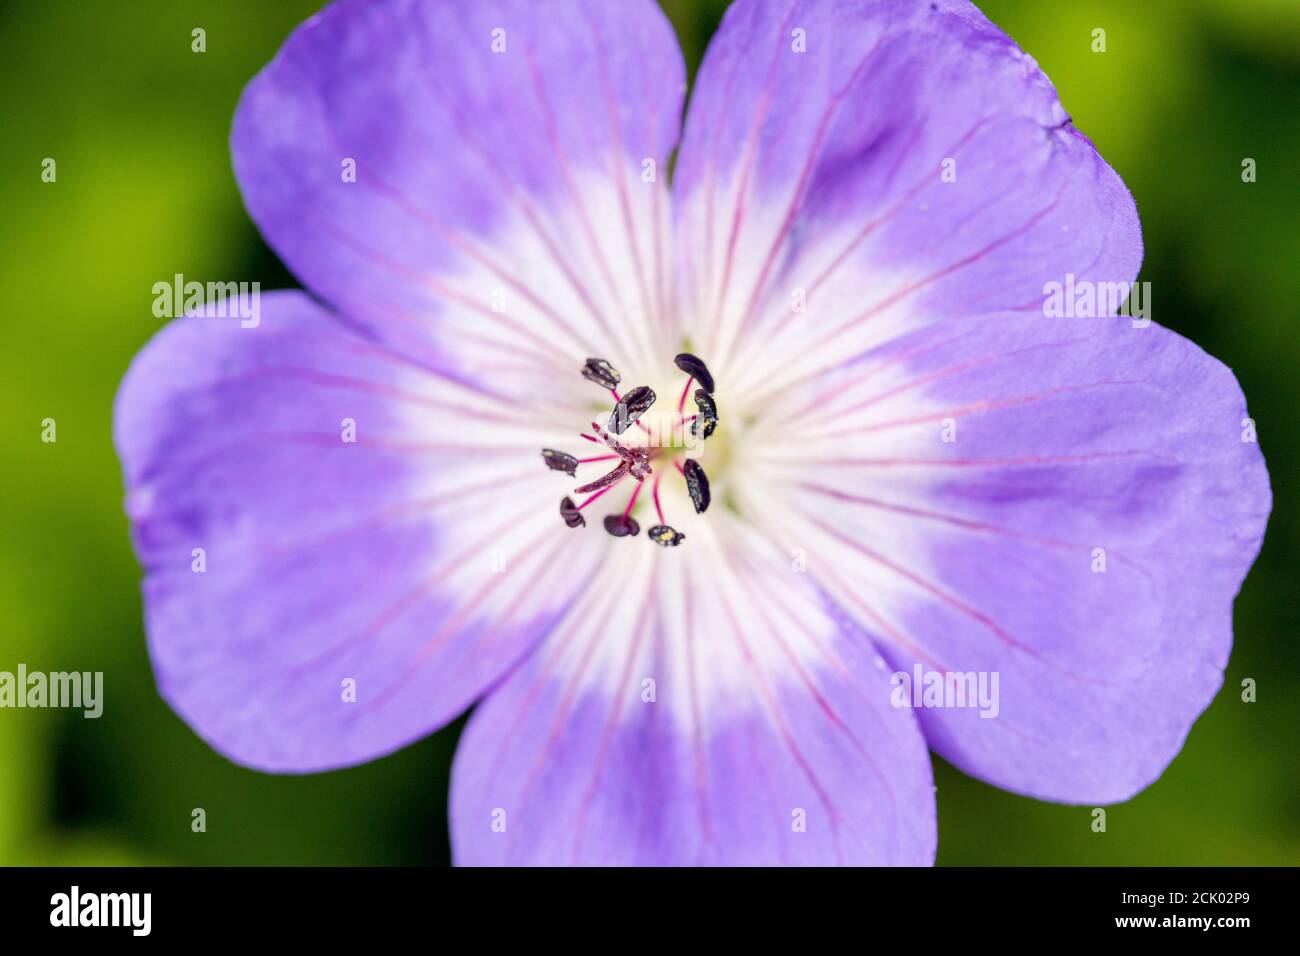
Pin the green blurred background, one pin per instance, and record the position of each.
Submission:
(138, 125)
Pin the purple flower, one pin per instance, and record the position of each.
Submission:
(914, 466)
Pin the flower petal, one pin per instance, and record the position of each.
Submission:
(486, 164)
(852, 171)
(350, 596)
(1070, 504)
(706, 712)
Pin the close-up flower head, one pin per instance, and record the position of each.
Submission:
(499, 462)
(706, 446)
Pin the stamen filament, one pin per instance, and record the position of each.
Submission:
(594, 497)
(632, 501)
(684, 393)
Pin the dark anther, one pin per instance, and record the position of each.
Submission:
(707, 420)
(632, 406)
(666, 536)
(559, 461)
(697, 485)
(613, 478)
(696, 369)
(601, 372)
(621, 527)
(571, 515)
